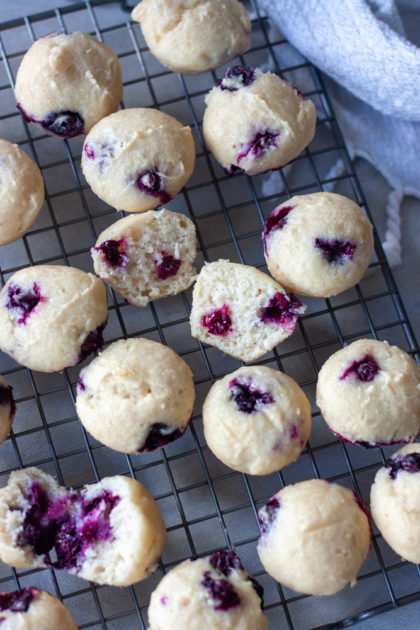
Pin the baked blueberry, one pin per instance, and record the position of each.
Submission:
(218, 322)
(237, 77)
(210, 592)
(336, 250)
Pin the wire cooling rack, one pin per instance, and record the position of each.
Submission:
(205, 505)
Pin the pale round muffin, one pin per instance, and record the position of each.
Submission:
(256, 420)
(318, 245)
(7, 409)
(194, 36)
(241, 310)
(255, 122)
(34, 609)
(138, 159)
(212, 592)
(147, 256)
(112, 533)
(315, 536)
(369, 394)
(395, 502)
(136, 396)
(52, 317)
(67, 83)
(21, 192)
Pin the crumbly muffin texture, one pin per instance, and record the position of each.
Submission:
(52, 317)
(369, 394)
(67, 83)
(318, 245)
(136, 396)
(7, 409)
(211, 592)
(138, 159)
(255, 122)
(395, 502)
(34, 609)
(21, 192)
(256, 420)
(314, 537)
(112, 533)
(147, 256)
(241, 310)
(194, 36)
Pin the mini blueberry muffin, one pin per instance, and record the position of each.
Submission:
(112, 533)
(21, 192)
(7, 409)
(194, 36)
(255, 122)
(138, 159)
(136, 396)
(33, 609)
(52, 317)
(318, 245)
(67, 83)
(315, 535)
(241, 310)
(369, 394)
(395, 502)
(211, 592)
(147, 256)
(256, 420)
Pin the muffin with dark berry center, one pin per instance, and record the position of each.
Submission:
(67, 83)
(210, 592)
(369, 394)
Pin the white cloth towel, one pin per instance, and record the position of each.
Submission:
(374, 83)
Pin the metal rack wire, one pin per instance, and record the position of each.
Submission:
(206, 506)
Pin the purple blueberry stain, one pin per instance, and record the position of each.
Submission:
(259, 145)
(364, 369)
(335, 250)
(99, 152)
(96, 513)
(275, 221)
(221, 591)
(225, 562)
(283, 309)
(374, 444)
(167, 266)
(218, 322)
(408, 463)
(113, 252)
(164, 600)
(81, 385)
(233, 169)
(66, 124)
(293, 433)
(150, 182)
(94, 341)
(23, 302)
(68, 525)
(89, 151)
(17, 601)
(6, 399)
(248, 398)
(237, 77)
(160, 435)
(268, 513)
